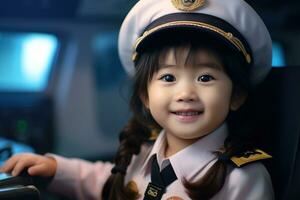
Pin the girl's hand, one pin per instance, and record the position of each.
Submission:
(36, 165)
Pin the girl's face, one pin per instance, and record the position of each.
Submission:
(189, 96)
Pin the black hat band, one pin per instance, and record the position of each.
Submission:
(171, 21)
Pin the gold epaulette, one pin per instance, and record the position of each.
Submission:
(250, 156)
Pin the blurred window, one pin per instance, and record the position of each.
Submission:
(26, 60)
(112, 84)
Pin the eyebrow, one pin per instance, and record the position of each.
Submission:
(204, 64)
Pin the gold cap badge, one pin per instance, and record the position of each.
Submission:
(188, 5)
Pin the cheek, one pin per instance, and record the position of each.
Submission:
(218, 100)
(154, 94)
(155, 98)
(158, 102)
(158, 94)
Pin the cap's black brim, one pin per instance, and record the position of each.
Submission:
(193, 27)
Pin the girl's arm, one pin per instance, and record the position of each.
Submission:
(79, 179)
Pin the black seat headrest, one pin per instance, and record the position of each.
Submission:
(277, 113)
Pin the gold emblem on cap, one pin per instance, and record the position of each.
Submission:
(188, 5)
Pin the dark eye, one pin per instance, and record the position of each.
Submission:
(205, 78)
(168, 78)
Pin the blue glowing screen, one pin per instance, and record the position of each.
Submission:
(26, 60)
(278, 59)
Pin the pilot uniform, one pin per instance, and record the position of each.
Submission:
(84, 180)
(233, 23)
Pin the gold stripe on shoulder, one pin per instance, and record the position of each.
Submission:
(250, 156)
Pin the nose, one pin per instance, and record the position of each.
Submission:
(187, 93)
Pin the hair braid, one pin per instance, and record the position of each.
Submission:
(131, 138)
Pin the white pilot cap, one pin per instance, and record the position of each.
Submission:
(232, 20)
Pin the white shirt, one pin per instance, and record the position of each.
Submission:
(192, 162)
(84, 180)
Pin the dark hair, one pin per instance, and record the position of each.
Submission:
(139, 127)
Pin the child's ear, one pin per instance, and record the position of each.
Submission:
(239, 96)
(145, 101)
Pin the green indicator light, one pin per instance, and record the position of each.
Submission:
(22, 126)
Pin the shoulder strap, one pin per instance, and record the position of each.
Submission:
(249, 157)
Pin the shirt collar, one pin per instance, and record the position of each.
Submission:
(158, 149)
(196, 156)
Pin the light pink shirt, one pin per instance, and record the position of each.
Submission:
(84, 180)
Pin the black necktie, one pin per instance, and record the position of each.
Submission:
(159, 181)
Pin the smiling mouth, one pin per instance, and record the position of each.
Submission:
(187, 116)
(187, 113)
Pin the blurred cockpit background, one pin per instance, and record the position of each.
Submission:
(62, 87)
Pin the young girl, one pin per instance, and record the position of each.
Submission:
(194, 64)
